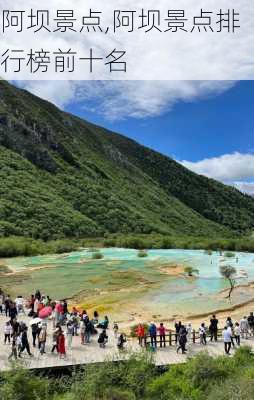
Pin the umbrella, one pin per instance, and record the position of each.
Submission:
(34, 321)
(45, 312)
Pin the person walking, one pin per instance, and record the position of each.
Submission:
(7, 302)
(7, 332)
(237, 331)
(232, 335)
(19, 302)
(95, 317)
(24, 342)
(103, 339)
(120, 341)
(65, 308)
(14, 352)
(38, 295)
(55, 339)
(58, 312)
(229, 322)
(75, 320)
(115, 329)
(1, 303)
(16, 327)
(251, 323)
(61, 345)
(213, 328)
(88, 330)
(42, 339)
(82, 331)
(36, 306)
(189, 331)
(13, 311)
(31, 305)
(35, 333)
(182, 339)
(244, 327)
(69, 333)
(227, 333)
(177, 329)
(202, 333)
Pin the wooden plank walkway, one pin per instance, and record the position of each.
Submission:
(92, 353)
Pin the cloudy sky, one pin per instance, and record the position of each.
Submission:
(207, 52)
(207, 126)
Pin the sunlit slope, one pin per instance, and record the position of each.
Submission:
(61, 176)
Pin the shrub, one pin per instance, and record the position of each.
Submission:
(21, 384)
(238, 388)
(109, 243)
(229, 254)
(97, 255)
(142, 253)
(190, 271)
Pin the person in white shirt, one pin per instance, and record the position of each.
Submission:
(189, 332)
(7, 332)
(244, 327)
(202, 334)
(237, 331)
(19, 301)
(227, 334)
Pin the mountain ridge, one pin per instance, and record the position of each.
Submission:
(67, 177)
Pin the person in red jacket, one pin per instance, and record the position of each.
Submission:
(61, 345)
(140, 331)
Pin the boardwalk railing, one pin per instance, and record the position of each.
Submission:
(171, 338)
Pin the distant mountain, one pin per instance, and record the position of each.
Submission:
(61, 176)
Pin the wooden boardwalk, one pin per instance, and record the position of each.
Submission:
(92, 353)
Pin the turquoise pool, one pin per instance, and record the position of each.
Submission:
(118, 279)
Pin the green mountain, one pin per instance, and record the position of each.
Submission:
(61, 176)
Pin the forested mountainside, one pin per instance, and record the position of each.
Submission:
(61, 176)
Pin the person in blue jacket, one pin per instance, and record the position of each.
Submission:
(153, 334)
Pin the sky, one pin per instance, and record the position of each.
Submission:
(218, 45)
(208, 126)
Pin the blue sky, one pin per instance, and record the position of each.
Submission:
(208, 126)
(204, 128)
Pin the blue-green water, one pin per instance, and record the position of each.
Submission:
(123, 269)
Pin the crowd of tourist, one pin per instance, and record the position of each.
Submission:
(66, 325)
(69, 323)
(232, 333)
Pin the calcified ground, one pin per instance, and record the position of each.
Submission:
(132, 289)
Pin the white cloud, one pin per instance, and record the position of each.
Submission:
(61, 93)
(245, 187)
(228, 167)
(116, 100)
(141, 99)
(150, 56)
(235, 169)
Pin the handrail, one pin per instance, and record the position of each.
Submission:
(171, 338)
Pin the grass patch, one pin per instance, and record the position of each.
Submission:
(97, 255)
(142, 253)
